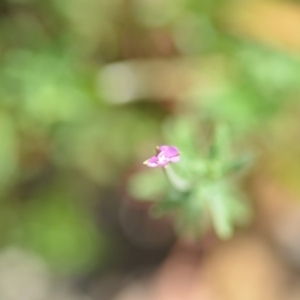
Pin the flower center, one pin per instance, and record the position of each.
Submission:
(161, 158)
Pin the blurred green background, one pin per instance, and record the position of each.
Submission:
(85, 87)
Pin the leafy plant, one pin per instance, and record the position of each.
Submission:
(202, 190)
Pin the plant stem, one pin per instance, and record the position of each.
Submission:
(176, 181)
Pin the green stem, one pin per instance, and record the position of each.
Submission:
(176, 181)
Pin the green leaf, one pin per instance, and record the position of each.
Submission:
(220, 147)
(240, 164)
(220, 213)
(192, 219)
(182, 132)
(239, 210)
(173, 201)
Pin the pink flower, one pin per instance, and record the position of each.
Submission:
(165, 155)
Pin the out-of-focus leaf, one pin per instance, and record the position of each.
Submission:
(147, 185)
(158, 13)
(271, 71)
(240, 210)
(183, 132)
(239, 164)
(8, 149)
(220, 215)
(59, 230)
(192, 217)
(45, 97)
(175, 200)
(229, 103)
(219, 149)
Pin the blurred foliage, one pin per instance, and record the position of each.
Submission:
(57, 221)
(58, 123)
(264, 80)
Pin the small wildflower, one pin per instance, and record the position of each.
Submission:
(164, 155)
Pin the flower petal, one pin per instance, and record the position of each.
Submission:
(151, 162)
(170, 151)
(163, 148)
(175, 158)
